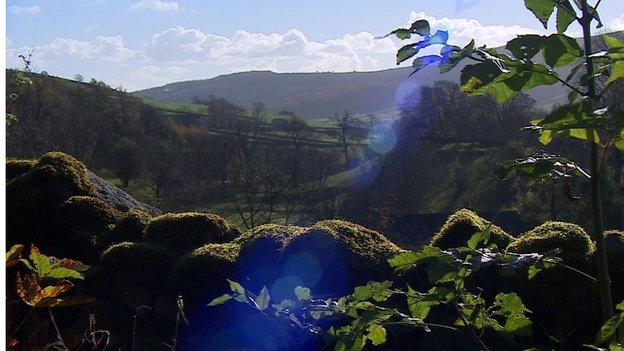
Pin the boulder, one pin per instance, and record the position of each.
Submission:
(460, 227)
(179, 233)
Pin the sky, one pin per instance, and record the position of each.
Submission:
(137, 44)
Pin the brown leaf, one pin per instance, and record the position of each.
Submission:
(14, 254)
(28, 288)
(71, 264)
(61, 286)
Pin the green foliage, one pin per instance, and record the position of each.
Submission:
(194, 275)
(574, 244)
(460, 227)
(17, 167)
(182, 232)
(46, 282)
(371, 309)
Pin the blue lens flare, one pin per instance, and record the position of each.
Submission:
(382, 137)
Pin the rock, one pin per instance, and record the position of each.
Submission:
(17, 167)
(117, 197)
(182, 232)
(129, 228)
(201, 273)
(460, 227)
(575, 245)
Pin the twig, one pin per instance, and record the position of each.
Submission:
(472, 331)
(22, 322)
(59, 337)
(134, 324)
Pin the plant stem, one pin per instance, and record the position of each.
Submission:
(601, 254)
(472, 331)
(58, 332)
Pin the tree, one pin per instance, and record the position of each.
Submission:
(345, 123)
(504, 75)
(126, 160)
(79, 78)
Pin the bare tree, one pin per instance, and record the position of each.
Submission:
(345, 123)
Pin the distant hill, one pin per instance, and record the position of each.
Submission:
(320, 95)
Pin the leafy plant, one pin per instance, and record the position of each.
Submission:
(363, 316)
(503, 75)
(45, 283)
(609, 332)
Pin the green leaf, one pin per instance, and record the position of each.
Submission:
(420, 27)
(619, 143)
(479, 237)
(440, 37)
(220, 300)
(402, 33)
(608, 330)
(303, 293)
(64, 273)
(518, 326)
(420, 304)
(561, 50)
(542, 9)
(617, 71)
(565, 15)
(263, 299)
(236, 287)
(362, 293)
(41, 262)
(406, 52)
(406, 260)
(376, 334)
(526, 46)
(424, 61)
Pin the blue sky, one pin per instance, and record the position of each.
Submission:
(143, 43)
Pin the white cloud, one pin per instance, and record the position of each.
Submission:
(180, 53)
(155, 5)
(24, 10)
(101, 49)
(462, 30)
(289, 51)
(616, 23)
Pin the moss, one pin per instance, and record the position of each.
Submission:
(129, 228)
(81, 221)
(615, 256)
(33, 199)
(571, 295)
(203, 271)
(461, 225)
(17, 167)
(67, 168)
(88, 213)
(333, 256)
(575, 245)
(260, 259)
(183, 232)
(135, 271)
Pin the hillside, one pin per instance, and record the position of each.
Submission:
(320, 95)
